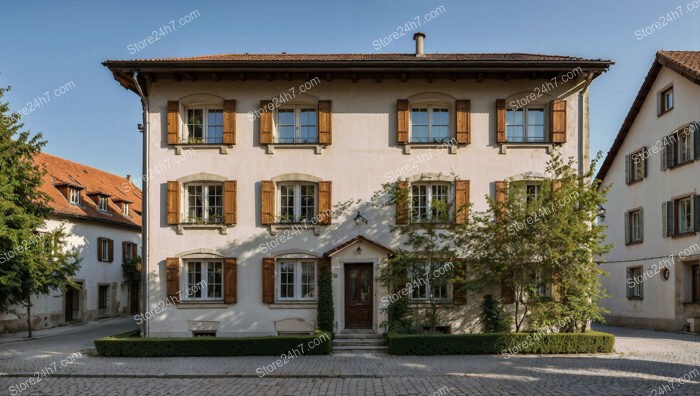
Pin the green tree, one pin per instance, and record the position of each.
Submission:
(28, 265)
(324, 308)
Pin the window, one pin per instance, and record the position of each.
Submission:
(297, 202)
(544, 286)
(525, 125)
(129, 251)
(296, 280)
(204, 280)
(684, 148)
(636, 166)
(685, 215)
(297, 125)
(429, 203)
(205, 126)
(422, 275)
(430, 124)
(102, 203)
(74, 196)
(104, 249)
(635, 283)
(102, 295)
(680, 216)
(695, 280)
(204, 203)
(634, 227)
(532, 192)
(666, 99)
(125, 209)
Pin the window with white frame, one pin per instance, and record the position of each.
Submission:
(635, 283)
(430, 202)
(685, 215)
(429, 282)
(205, 125)
(204, 280)
(430, 124)
(636, 226)
(102, 203)
(636, 166)
(204, 203)
(125, 209)
(666, 98)
(297, 202)
(296, 280)
(532, 192)
(525, 125)
(684, 147)
(104, 249)
(543, 282)
(74, 196)
(297, 125)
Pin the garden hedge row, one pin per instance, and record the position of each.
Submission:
(500, 343)
(130, 344)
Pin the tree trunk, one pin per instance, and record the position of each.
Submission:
(29, 318)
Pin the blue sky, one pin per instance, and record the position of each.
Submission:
(46, 45)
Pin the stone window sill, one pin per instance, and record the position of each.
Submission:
(452, 148)
(201, 305)
(179, 148)
(318, 148)
(276, 228)
(223, 228)
(549, 147)
(293, 305)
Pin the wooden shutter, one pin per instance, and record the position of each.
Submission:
(668, 216)
(267, 205)
(557, 184)
(173, 122)
(99, 249)
(641, 224)
(628, 230)
(230, 280)
(125, 251)
(172, 276)
(507, 292)
(173, 202)
(324, 202)
(230, 198)
(695, 128)
(696, 213)
(229, 121)
(628, 171)
(464, 121)
(501, 120)
(402, 118)
(402, 203)
(630, 285)
(268, 280)
(645, 157)
(325, 135)
(461, 201)
(670, 152)
(501, 191)
(265, 122)
(557, 117)
(134, 250)
(459, 293)
(110, 252)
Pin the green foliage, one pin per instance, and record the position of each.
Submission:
(131, 269)
(397, 312)
(130, 345)
(494, 316)
(501, 343)
(325, 313)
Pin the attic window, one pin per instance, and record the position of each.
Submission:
(74, 196)
(125, 209)
(102, 203)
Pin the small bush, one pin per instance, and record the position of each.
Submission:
(325, 311)
(494, 316)
(129, 344)
(501, 343)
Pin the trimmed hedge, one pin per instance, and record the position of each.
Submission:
(500, 343)
(130, 344)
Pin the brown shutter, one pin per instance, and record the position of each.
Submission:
(267, 207)
(173, 202)
(325, 135)
(501, 120)
(324, 202)
(99, 249)
(125, 251)
(265, 122)
(459, 293)
(230, 198)
(501, 191)
(402, 121)
(558, 121)
(556, 185)
(230, 280)
(172, 276)
(507, 292)
(134, 250)
(464, 121)
(401, 203)
(173, 122)
(461, 201)
(229, 122)
(110, 252)
(268, 280)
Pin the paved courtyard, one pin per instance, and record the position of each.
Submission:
(645, 363)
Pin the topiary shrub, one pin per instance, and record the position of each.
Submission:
(494, 316)
(325, 313)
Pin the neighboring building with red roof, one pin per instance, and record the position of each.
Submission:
(653, 208)
(101, 213)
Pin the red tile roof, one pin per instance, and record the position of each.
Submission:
(89, 180)
(685, 63)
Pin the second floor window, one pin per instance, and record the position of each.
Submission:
(297, 202)
(204, 204)
(634, 229)
(204, 126)
(297, 125)
(429, 203)
(684, 148)
(685, 215)
(74, 196)
(525, 125)
(430, 124)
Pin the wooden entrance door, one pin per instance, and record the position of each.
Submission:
(72, 297)
(358, 296)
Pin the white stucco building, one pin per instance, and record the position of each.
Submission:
(653, 209)
(251, 145)
(101, 214)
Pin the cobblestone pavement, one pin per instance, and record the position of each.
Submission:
(645, 363)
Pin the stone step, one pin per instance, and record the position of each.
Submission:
(346, 348)
(358, 331)
(358, 336)
(358, 341)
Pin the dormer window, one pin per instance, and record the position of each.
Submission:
(74, 196)
(125, 209)
(102, 203)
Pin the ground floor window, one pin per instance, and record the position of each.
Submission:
(635, 283)
(696, 283)
(204, 280)
(296, 280)
(430, 281)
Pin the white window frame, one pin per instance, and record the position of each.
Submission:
(103, 203)
(125, 209)
(667, 105)
(530, 197)
(413, 276)
(429, 199)
(297, 280)
(188, 291)
(636, 226)
(205, 124)
(525, 125)
(430, 107)
(684, 147)
(297, 201)
(128, 251)
(74, 196)
(205, 202)
(684, 227)
(298, 108)
(637, 166)
(105, 249)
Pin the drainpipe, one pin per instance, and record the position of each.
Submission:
(145, 235)
(584, 127)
